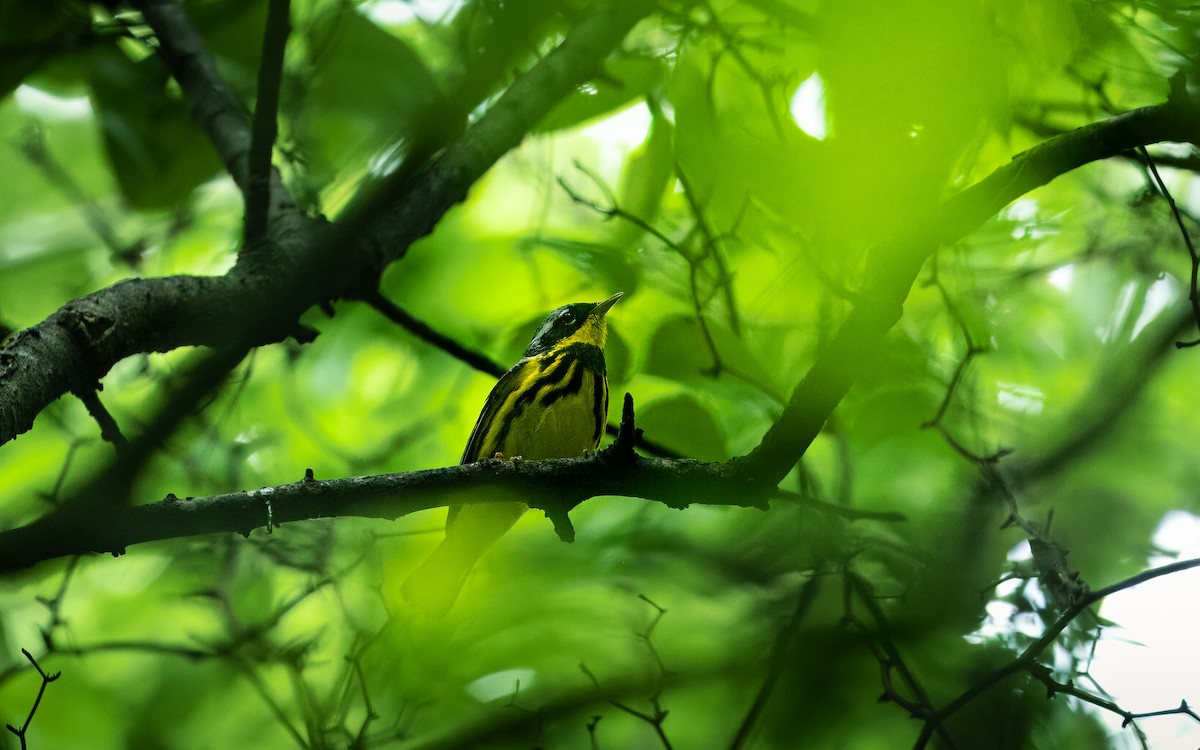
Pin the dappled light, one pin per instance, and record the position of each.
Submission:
(691, 374)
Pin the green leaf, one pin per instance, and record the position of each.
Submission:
(350, 111)
(233, 31)
(158, 154)
(680, 351)
(623, 80)
(648, 173)
(682, 424)
(32, 34)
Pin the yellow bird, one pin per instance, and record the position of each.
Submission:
(553, 403)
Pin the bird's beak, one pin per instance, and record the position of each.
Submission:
(603, 307)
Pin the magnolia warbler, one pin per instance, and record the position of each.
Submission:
(553, 403)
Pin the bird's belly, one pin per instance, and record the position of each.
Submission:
(566, 428)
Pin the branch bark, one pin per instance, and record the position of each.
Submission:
(265, 128)
(318, 262)
(312, 262)
(555, 486)
(213, 104)
(392, 224)
(1029, 656)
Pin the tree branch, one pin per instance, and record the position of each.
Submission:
(266, 109)
(392, 225)
(76, 346)
(1045, 675)
(1029, 656)
(554, 486)
(315, 262)
(46, 680)
(894, 266)
(776, 662)
(422, 330)
(109, 429)
(214, 106)
(474, 358)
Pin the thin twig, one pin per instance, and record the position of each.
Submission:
(888, 655)
(712, 245)
(934, 720)
(1193, 293)
(54, 496)
(109, 429)
(973, 350)
(429, 335)
(46, 680)
(733, 44)
(842, 511)
(1044, 675)
(371, 714)
(110, 489)
(33, 146)
(265, 126)
(54, 604)
(477, 359)
(256, 682)
(659, 715)
(614, 210)
(786, 634)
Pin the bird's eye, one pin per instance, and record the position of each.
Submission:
(568, 318)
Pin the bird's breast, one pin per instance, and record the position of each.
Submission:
(559, 411)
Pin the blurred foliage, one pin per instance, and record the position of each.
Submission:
(1045, 336)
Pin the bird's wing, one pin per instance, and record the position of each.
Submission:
(504, 386)
(475, 447)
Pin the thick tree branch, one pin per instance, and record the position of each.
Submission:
(393, 225)
(313, 261)
(77, 345)
(555, 486)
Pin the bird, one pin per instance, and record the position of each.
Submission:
(553, 403)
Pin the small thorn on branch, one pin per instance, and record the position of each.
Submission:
(109, 430)
(627, 435)
(562, 522)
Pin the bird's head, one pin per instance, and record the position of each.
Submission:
(582, 322)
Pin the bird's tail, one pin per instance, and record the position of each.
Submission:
(434, 586)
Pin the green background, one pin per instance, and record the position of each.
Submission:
(1067, 306)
